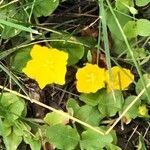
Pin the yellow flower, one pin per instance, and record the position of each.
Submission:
(47, 66)
(90, 78)
(121, 78)
(143, 111)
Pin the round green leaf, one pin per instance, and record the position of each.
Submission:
(90, 99)
(45, 8)
(55, 118)
(33, 141)
(8, 98)
(16, 109)
(72, 106)
(13, 106)
(112, 25)
(70, 45)
(130, 29)
(6, 128)
(12, 141)
(20, 59)
(119, 46)
(141, 144)
(62, 137)
(110, 103)
(133, 111)
(112, 147)
(21, 128)
(92, 140)
(6, 31)
(75, 51)
(139, 87)
(142, 2)
(12, 15)
(86, 113)
(9, 32)
(143, 27)
(123, 5)
(138, 53)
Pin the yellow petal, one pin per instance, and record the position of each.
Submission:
(40, 52)
(45, 77)
(90, 78)
(121, 78)
(30, 69)
(47, 66)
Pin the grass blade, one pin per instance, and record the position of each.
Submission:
(17, 26)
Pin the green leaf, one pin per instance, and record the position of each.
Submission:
(9, 32)
(34, 144)
(94, 141)
(16, 113)
(72, 106)
(89, 114)
(33, 141)
(1, 127)
(30, 138)
(133, 111)
(142, 2)
(6, 14)
(70, 45)
(13, 21)
(55, 118)
(143, 27)
(13, 106)
(12, 141)
(109, 103)
(112, 25)
(123, 5)
(141, 145)
(113, 134)
(130, 29)
(85, 113)
(139, 87)
(90, 42)
(6, 131)
(112, 147)
(23, 56)
(45, 8)
(8, 98)
(140, 53)
(11, 14)
(21, 128)
(62, 137)
(90, 99)
(119, 46)
(18, 26)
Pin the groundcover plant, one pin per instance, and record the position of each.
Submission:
(74, 75)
